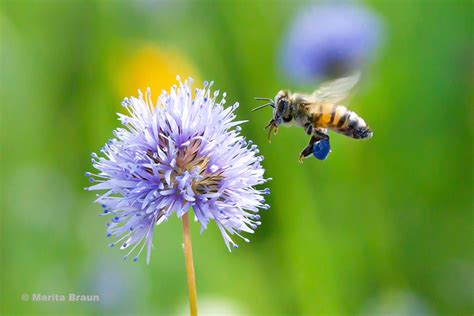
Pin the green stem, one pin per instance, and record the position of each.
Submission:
(188, 255)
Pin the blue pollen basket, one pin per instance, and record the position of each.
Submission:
(321, 149)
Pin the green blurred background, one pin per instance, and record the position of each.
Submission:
(383, 227)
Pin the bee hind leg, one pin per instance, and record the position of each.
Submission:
(305, 153)
(308, 150)
(321, 133)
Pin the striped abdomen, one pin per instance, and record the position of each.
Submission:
(339, 119)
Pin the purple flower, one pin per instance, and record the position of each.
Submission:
(184, 152)
(329, 40)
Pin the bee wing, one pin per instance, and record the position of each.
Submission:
(337, 90)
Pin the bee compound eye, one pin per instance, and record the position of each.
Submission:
(282, 105)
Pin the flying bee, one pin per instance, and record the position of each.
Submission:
(317, 113)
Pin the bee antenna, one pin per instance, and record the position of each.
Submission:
(263, 106)
(264, 99)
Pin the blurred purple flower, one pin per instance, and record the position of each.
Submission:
(329, 40)
(181, 153)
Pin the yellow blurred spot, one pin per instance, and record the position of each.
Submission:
(155, 67)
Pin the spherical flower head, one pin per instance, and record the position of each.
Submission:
(184, 152)
(329, 40)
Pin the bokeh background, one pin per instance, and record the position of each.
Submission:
(382, 227)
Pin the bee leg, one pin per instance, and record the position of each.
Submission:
(320, 134)
(308, 150)
(308, 127)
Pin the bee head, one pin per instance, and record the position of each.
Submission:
(282, 109)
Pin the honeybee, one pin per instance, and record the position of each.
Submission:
(317, 113)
